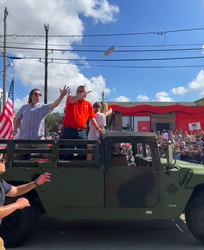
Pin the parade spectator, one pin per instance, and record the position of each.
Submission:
(165, 134)
(186, 137)
(186, 147)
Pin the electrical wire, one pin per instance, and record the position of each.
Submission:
(102, 51)
(108, 60)
(132, 67)
(10, 78)
(25, 79)
(112, 34)
(108, 45)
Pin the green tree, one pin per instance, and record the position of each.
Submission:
(52, 122)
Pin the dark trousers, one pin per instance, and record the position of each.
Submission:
(71, 133)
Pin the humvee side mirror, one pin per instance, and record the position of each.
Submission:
(169, 155)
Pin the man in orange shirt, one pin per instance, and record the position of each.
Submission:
(77, 112)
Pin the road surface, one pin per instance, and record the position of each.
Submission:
(54, 234)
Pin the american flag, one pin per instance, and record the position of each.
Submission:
(6, 117)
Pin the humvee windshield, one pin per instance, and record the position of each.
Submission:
(131, 154)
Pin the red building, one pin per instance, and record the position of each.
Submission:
(144, 117)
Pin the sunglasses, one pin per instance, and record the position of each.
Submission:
(3, 161)
(37, 94)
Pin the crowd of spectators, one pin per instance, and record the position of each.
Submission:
(186, 146)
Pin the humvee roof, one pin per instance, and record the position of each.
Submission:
(128, 134)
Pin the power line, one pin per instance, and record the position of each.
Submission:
(130, 66)
(108, 45)
(8, 81)
(102, 51)
(109, 60)
(112, 34)
(15, 81)
(24, 78)
(133, 67)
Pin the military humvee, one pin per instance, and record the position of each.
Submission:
(133, 185)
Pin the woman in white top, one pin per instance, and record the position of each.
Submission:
(94, 134)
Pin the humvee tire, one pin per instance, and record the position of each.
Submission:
(195, 215)
(19, 226)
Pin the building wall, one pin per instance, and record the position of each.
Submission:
(133, 121)
(183, 119)
(163, 118)
(140, 119)
(200, 102)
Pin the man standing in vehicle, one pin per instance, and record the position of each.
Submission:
(31, 119)
(11, 191)
(77, 112)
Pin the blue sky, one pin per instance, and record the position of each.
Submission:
(139, 16)
(144, 16)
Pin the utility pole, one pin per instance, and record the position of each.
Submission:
(46, 26)
(103, 96)
(4, 55)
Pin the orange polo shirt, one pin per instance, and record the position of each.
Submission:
(77, 114)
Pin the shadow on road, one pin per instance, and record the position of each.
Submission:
(55, 234)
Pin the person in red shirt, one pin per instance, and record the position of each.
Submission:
(77, 112)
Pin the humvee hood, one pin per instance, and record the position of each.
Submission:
(191, 174)
(196, 168)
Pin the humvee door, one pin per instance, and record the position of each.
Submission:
(131, 176)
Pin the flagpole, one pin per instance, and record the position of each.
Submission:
(4, 57)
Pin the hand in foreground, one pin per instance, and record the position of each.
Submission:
(42, 179)
(86, 90)
(65, 91)
(101, 130)
(22, 203)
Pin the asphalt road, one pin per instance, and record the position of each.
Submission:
(54, 234)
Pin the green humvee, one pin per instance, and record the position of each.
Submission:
(124, 180)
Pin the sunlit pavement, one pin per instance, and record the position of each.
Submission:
(54, 234)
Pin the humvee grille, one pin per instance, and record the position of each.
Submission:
(172, 189)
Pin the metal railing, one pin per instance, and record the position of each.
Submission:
(56, 148)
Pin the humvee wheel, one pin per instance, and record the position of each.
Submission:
(195, 215)
(20, 225)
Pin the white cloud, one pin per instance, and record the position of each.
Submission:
(122, 99)
(114, 89)
(198, 83)
(179, 91)
(194, 87)
(63, 17)
(100, 10)
(162, 97)
(142, 98)
(19, 102)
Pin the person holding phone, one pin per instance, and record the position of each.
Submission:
(7, 189)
